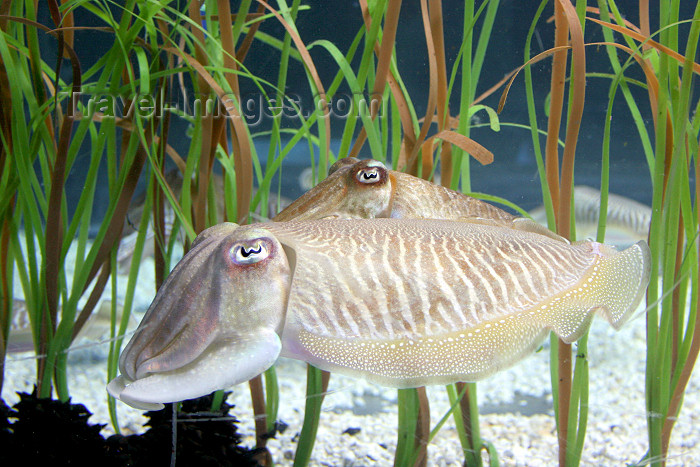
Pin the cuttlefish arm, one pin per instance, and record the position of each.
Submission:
(367, 189)
(213, 323)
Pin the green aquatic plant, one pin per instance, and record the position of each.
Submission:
(114, 111)
(41, 145)
(154, 48)
(673, 332)
(672, 336)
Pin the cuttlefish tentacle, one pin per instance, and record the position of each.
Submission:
(401, 302)
(224, 364)
(154, 348)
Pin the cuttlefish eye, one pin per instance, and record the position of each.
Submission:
(250, 252)
(373, 173)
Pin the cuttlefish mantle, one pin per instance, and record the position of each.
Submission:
(400, 302)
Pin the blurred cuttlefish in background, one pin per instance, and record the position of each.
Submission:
(401, 302)
(627, 220)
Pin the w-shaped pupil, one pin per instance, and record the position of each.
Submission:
(370, 175)
(253, 251)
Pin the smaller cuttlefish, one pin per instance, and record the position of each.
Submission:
(366, 189)
(401, 302)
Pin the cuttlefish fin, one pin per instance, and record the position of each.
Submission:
(403, 362)
(528, 225)
(522, 224)
(222, 365)
(613, 290)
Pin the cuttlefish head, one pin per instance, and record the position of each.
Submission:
(214, 323)
(353, 189)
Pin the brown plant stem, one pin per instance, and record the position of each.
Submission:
(229, 47)
(560, 185)
(325, 379)
(561, 201)
(239, 136)
(93, 299)
(67, 22)
(386, 49)
(644, 23)
(578, 84)
(257, 395)
(443, 110)
(552, 175)
(556, 104)
(470, 422)
(422, 428)
(54, 221)
(412, 162)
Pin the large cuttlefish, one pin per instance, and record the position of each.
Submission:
(402, 302)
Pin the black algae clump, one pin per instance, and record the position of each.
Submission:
(48, 430)
(204, 438)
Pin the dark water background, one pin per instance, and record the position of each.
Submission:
(513, 175)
